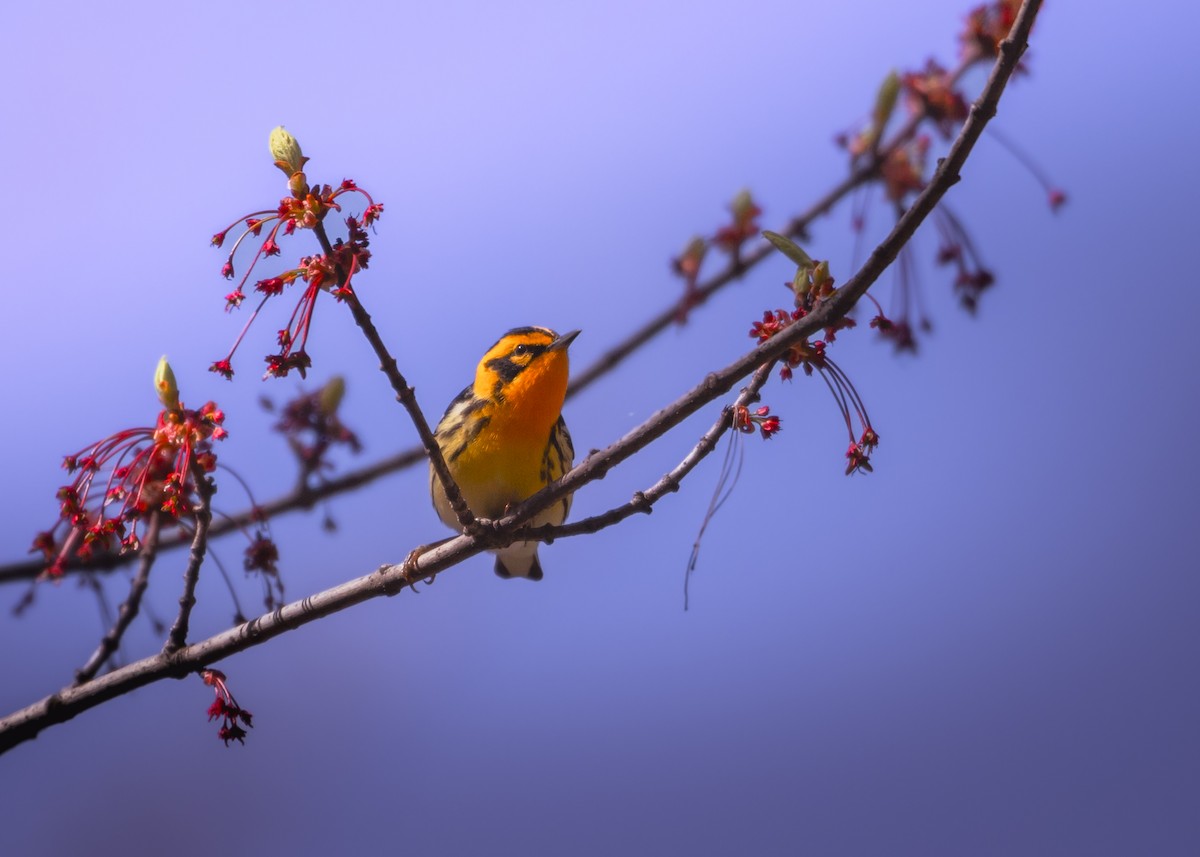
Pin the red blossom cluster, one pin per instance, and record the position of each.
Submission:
(899, 165)
(987, 26)
(903, 170)
(729, 238)
(261, 557)
(744, 225)
(747, 421)
(858, 455)
(226, 707)
(332, 270)
(931, 93)
(812, 357)
(687, 265)
(902, 333)
(811, 285)
(972, 277)
(808, 355)
(311, 424)
(125, 477)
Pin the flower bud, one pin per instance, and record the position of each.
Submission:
(331, 395)
(743, 206)
(885, 105)
(801, 285)
(821, 279)
(286, 152)
(696, 248)
(165, 386)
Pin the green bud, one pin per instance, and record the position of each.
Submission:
(885, 103)
(331, 395)
(742, 204)
(801, 284)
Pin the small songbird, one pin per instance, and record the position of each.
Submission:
(504, 437)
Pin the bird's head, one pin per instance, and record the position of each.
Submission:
(526, 370)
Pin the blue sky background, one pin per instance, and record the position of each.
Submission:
(987, 647)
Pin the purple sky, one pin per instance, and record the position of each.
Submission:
(987, 647)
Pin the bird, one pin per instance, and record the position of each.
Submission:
(504, 438)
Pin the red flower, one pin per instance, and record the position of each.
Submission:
(931, 93)
(225, 707)
(987, 26)
(903, 170)
(811, 357)
(769, 427)
(747, 423)
(305, 207)
(744, 226)
(148, 469)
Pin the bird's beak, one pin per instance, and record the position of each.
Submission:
(563, 341)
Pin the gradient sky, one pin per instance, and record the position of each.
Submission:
(987, 647)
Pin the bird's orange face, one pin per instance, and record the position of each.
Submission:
(525, 375)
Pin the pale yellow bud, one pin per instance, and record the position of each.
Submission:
(165, 386)
(286, 152)
(801, 284)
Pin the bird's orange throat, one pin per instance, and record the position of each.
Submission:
(532, 402)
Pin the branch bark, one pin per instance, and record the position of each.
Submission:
(177, 638)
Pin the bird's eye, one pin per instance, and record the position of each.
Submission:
(521, 349)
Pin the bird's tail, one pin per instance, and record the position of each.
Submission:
(519, 559)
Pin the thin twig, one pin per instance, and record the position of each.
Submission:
(177, 638)
(404, 393)
(129, 608)
(643, 501)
